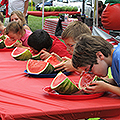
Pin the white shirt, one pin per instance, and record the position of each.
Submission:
(16, 5)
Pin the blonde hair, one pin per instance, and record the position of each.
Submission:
(14, 27)
(74, 29)
(20, 15)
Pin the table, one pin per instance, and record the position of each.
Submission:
(56, 13)
(50, 25)
(22, 97)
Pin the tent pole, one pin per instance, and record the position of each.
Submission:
(43, 14)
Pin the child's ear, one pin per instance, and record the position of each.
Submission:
(100, 55)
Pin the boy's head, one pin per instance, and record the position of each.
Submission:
(92, 50)
(73, 30)
(40, 39)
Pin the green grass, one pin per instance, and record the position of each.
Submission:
(36, 22)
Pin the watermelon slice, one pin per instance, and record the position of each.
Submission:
(39, 67)
(53, 60)
(10, 43)
(2, 45)
(63, 85)
(86, 79)
(20, 53)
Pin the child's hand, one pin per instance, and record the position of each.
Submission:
(96, 86)
(66, 65)
(44, 54)
(18, 44)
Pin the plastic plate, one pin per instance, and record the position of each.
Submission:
(6, 49)
(52, 75)
(51, 92)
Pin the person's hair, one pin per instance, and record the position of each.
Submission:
(14, 27)
(1, 17)
(20, 15)
(100, 3)
(40, 39)
(74, 29)
(86, 48)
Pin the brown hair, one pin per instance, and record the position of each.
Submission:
(20, 15)
(14, 27)
(74, 29)
(86, 49)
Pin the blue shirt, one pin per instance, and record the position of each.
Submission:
(116, 65)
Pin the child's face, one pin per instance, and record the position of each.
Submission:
(14, 17)
(100, 69)
(33, 50)
(70, 45)
(14, 36)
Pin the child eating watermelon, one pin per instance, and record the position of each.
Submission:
(95, 55)
(41, 41)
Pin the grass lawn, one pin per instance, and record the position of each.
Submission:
(36, 22)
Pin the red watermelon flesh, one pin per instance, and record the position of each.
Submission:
(38, 66)
(86, 79)
(63, 85)
(9, 42)
(59, 79)
(52, 60)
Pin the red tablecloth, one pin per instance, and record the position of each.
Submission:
(22, 97)
(39, 13)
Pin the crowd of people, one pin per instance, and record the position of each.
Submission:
(81, 52)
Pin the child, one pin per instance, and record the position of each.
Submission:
(94, 54)
(73, 30)
(15, 31)
(18, 16)
(41, 41)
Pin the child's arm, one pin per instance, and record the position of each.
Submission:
(66, 65)
(101, 86)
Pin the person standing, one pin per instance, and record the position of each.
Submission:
(21, 5)
(5, 2)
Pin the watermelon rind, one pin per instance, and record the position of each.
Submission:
(47, 69)
(2, 45)
(53, 60)
(23, 56)
(12, 45)
(3, 37)
(66, 87)
(36, 56)
(81, 78)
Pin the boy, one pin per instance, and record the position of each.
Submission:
(94, 55)
(41, 41)
(73, 30)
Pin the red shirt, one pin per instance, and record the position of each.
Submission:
(59, 47)
(5, 2)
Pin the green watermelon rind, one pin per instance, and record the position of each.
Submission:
(47, 70)
(22, 56)
(11, 45)
(79, 85)
(2, 45)
(36, 56)
(66, 87)
(2, 37)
